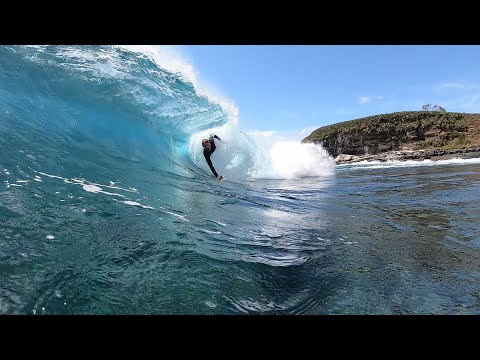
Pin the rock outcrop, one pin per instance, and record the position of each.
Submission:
(411, 155)
(414, 135)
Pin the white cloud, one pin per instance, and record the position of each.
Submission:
(451, 86)
(258, 133)
(368, 99)
(365, 99)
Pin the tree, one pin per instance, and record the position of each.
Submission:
(437, 108)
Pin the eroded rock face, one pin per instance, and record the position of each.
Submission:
(358, 144)
(346, 158)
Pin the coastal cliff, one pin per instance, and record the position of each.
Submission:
(412, 135)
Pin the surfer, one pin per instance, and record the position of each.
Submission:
(208, 149)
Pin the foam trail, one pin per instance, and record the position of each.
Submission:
(408, 163)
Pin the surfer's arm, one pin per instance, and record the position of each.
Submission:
(214, 137)
(209, 162)
(212, 144)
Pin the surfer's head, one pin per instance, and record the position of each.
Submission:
(206, 144)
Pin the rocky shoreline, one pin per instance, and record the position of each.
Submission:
(417, 155)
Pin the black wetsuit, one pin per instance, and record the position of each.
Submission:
(207, 154)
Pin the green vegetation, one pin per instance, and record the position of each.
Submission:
(409, 129)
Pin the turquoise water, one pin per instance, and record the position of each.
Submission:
(107, 206)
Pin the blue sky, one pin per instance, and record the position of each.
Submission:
(294, 88)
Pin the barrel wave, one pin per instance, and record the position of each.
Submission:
(103, 105)
(107, 204)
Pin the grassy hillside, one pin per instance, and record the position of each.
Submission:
(413, 130)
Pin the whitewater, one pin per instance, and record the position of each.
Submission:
(107, 205)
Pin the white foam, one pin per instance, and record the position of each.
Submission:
(113, 194)
(290, 159)
(409, 163)
(92, 188)
(176, 215)
(218, 222)
(265, 155)
(210, 304)
(48, 175)
(134, 203)
(209, 231)
(50, 237)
